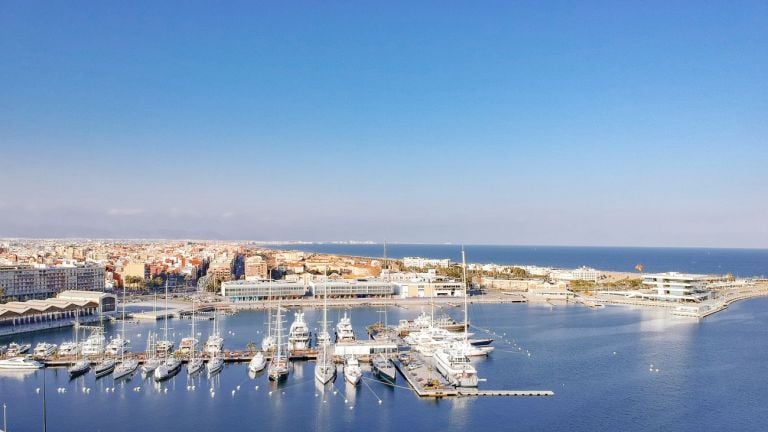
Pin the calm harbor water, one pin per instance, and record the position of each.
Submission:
(740, 262)
(712, 376)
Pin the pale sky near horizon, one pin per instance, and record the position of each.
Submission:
(500, 122)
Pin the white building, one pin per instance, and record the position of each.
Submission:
(418, 262)
(255, 290)
(353, 288)
(681, 287)
(581, 273)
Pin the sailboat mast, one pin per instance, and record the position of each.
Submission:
(166, 311)
(122, 349)
(464, 272)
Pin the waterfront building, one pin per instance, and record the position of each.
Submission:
(429, 285)
(680, 287)
(581, 273)
(62, 311)
(256, 290)
(24, 282)
(418, 262)
(340, 288)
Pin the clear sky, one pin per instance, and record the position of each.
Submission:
(566, 123)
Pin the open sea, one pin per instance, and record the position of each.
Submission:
(740, 262)
(712, 375)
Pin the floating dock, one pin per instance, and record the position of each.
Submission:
(425, 380)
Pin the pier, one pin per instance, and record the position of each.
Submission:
(425, 380)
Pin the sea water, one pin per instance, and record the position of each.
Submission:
(616, 368)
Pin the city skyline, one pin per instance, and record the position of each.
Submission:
(529, 124)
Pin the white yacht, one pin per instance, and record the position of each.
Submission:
(452, 361)
(455, 366)
(94, 345)
(188, 345)
(15, 349)
(44, 349)
(352, 370)
(117, 346)
(20, 363)
(344, 331)
(298, 334)
(257, 363)
(69, 348)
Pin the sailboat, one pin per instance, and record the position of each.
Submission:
(126, 366)
(170, 365)
(81, 365)
(325, 369)
(452, 361)
(107, 365)
(151, 361)
(195, 363)
(268, 343)
(278, 366)
(215, 342)
(165, 346)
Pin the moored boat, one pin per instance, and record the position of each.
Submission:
(20, 363)
(383, 369)
(257, 363)
(104, 368)
(352, 371)
(44, 349)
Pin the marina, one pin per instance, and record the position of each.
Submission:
(558, 364)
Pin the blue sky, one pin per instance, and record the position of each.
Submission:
(565, 123)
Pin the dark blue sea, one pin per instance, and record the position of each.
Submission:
(712, 376)
(740, 262)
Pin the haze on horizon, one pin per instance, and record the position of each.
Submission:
(558, 123)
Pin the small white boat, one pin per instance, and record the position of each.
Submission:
(195, 365)
(215, 365)
(44, 349)
(20, 363)
(167, 369)
(150, 365)
(352, 370)
(257, 363)
(125, 368)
